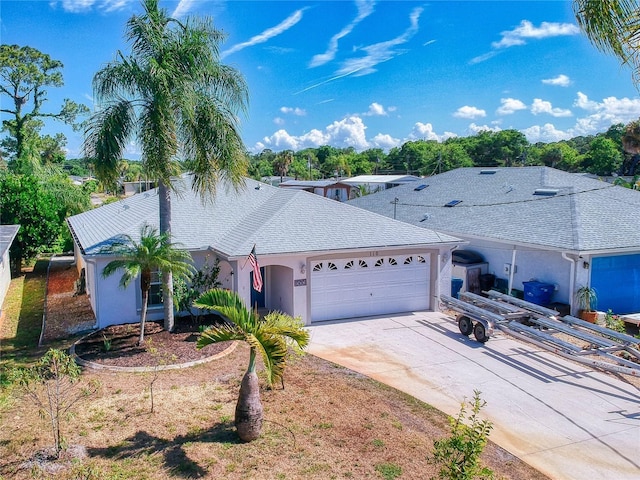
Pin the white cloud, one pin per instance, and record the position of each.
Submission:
(526, 31)
(183, 8)
(469, 112)
(473, 129)
(293, 111)
(77, 6)
(268, 34)
(348, 132)
(559, 81)
(384, 141)
(547, 133)
(602, 115)
(278, 121)
(375, 109)
(380, 52)
(542, 106)
(365, 8)
(583, 102)
(423, 131)
(509, 106)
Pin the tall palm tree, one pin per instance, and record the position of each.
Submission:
(154, 252)
(173, 96)
(612, 26)
(270, 337)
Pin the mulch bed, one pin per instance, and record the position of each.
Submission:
(117, 345)
(68, 313)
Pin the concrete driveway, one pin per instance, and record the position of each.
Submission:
(564, 419)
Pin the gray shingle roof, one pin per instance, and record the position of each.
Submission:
(277, 221)
(7, 234)
(584, 215)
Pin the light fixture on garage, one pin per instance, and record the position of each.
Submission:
(303, 268)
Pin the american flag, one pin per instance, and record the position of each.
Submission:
(257, 276)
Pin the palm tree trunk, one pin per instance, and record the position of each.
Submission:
(249, 410)
(143, 315)
(164, 198)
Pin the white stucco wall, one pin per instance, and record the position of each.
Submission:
(5, 276)
(531, 264)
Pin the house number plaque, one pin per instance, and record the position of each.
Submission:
(300, 283)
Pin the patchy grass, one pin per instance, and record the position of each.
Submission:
(22, 317)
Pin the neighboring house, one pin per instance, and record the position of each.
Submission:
(7, 234)
(376, 183)
(131, 188)
(321, 260)
(533, 223)
(335, 190)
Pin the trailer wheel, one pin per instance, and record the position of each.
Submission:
(480, 333)
(465, 325)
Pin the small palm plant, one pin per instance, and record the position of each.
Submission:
(271, 337)
(153, 252)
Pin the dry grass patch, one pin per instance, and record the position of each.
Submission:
(328, 422)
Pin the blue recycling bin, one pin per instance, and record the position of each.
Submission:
(538, 292)
(456, 285)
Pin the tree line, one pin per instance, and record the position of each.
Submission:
(614, 152)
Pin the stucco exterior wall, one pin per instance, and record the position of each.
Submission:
(5, 276)
(531, 264)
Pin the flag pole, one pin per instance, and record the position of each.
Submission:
(247, 259)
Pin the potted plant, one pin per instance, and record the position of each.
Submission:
(587, 299)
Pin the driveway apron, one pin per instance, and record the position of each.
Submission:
(561, 417)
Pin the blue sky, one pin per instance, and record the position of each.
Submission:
(363, 73)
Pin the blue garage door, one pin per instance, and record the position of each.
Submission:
(617, 283)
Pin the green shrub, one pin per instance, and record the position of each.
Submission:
(458, 457)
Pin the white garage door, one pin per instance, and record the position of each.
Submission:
(358, 287)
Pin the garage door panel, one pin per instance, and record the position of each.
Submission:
(369, 286)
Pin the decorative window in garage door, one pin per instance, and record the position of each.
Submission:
(379, 262)
(317, 267)
(349, 265)
(393, 261)
(363, 264)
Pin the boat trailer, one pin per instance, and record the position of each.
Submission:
(591, 344)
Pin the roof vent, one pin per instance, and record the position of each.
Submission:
(546, 192)
(453, 203)
(420, 187)
(488, 172)
(426, 216)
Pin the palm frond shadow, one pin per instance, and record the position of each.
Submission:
(175, 457)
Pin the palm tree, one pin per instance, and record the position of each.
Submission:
(613, 26)
(152, 253)
(175, 98)
(270, 337)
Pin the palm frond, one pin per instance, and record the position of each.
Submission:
(107, 135)
(219, 333)
(273, 350)
(291, 328)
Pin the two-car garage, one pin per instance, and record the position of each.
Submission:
(372, 285)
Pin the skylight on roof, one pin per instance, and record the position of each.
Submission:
(488, 172)
(420, 187)
(546, 192)
(453, 203)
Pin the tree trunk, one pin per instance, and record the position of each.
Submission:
(143, 315)
(164, 199)
(249, 408)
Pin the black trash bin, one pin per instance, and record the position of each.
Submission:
(487, 281)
